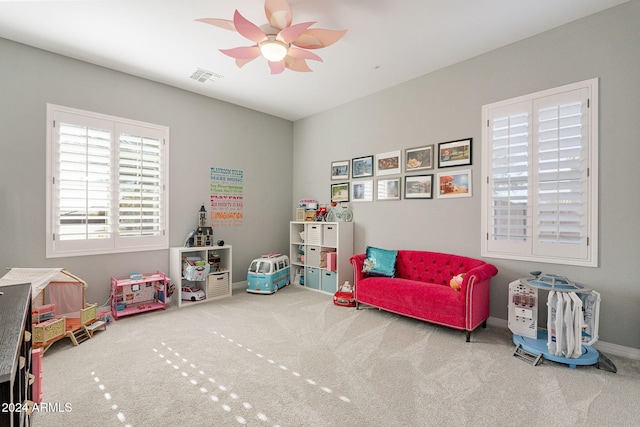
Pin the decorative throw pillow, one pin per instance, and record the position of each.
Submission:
(380, 262)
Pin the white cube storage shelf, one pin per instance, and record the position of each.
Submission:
(218, 281)
(319, 254)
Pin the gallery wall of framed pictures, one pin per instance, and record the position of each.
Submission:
(398, 174)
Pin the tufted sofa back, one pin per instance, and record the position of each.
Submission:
(432, 267)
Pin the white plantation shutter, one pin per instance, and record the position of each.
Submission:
(106, 187)
(562, 174)
(510, 211)
(140, 183)
(540, 191)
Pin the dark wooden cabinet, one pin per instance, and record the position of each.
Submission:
(15, 355)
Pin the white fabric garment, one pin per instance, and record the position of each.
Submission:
(558, 326)
(591, 304)
(577, 325)
(552, 302)
(567, 326)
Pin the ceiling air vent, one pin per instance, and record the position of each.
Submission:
(204, 76)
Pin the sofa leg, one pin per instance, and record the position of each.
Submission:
(468, 336)
(357, 305)
(484, 324)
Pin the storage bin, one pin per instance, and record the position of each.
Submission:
(329, 281)
(314, 234)
(330, 235)
(331, 261)
(312, 256)
(195, 272)
(312, 278)
(324, 253)
(218, 285)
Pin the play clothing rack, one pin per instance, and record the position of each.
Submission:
(572, 322)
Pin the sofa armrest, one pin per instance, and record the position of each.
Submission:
(357, 261)
(478, 275)
(475, 290)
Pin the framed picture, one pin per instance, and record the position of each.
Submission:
(340, 170)
(418, 187)
(455, 184)
(340, 192)
(388, 163)
(362, 167)
(362, 191)
(418, 158)
(389, 189)
(454, 153)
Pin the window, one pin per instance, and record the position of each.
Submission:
(106, 184)
(539, 188)
(265, 267)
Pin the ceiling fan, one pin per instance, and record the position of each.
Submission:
(283, 45)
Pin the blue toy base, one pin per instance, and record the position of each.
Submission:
(539, 346)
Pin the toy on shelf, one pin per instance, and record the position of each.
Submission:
(339, 212)
(204, 233)
(321, 213)
(195, 269)
(192, 293)
(306, 210)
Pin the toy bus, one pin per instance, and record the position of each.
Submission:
(268, 273)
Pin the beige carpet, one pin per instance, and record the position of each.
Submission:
(295, 359)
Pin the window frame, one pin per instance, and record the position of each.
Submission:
(55, 247)
(535, 253)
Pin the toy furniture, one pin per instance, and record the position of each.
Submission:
(47, 332)
(139, 294)
(418, 286)
(59, 308)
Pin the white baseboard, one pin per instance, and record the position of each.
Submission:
(618, 350)
(604, 347)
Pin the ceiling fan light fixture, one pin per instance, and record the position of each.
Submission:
(273, 50)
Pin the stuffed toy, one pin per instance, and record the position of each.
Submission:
(456, 281)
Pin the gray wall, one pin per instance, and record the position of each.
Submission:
(205, 133)
(438, 107)
(446, 105)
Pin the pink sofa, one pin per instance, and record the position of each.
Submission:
(420, 289)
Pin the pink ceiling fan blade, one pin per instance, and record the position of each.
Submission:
(248, 29)
(277, 67)
(296, 53)
(222, 23)
(278, 13)
(244, 52)
(242, 62)
(297, 64)
(289, 34)
(316, 38)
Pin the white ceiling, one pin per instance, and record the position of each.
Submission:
(388, 42)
